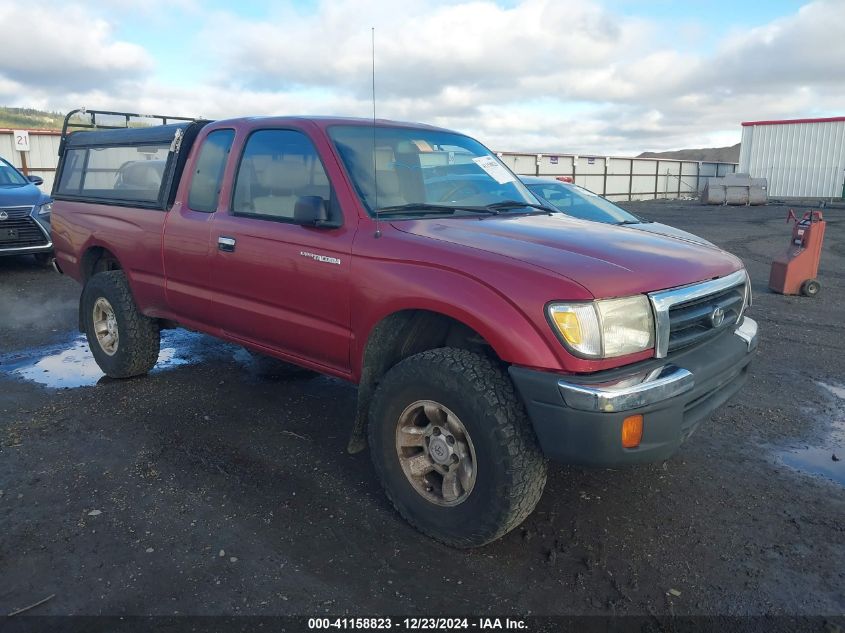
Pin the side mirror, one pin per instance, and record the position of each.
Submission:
(35, 180)
(311, 211)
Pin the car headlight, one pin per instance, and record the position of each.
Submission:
(604, 328)
(45, 209)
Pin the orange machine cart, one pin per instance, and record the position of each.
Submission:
(795, 271)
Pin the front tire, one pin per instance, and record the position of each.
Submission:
(124, 342)
(453, 447)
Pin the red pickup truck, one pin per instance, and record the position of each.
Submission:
(486, 332)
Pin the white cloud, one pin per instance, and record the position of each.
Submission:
(422, 49)
(64, 48)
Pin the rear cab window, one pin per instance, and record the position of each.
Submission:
(126, 173)
(136, 167)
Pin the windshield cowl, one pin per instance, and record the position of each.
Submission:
(431, 210)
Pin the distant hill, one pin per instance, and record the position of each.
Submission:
(704, 154)
(30, 118)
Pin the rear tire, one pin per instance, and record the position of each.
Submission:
(463, 403)
(124, 342)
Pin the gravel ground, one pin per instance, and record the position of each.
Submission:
(208, 488)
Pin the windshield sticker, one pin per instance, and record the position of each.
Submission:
(494, 169)
(423, 146)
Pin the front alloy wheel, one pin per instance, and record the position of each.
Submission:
(436, 453)
(453, 447)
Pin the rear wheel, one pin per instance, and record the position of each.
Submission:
(810, 288)
(453, 447)
(123, 341)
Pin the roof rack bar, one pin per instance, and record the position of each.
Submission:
(126, 115)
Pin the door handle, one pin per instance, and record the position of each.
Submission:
(226, 244)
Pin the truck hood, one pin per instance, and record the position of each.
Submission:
(665, 229)
(22, 196)
(607, 260)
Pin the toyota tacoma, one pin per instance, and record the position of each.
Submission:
(487, 333)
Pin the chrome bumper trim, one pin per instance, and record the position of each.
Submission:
(23, 250)
(628, 392)
(747, 331)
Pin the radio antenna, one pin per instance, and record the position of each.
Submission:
(375, 163)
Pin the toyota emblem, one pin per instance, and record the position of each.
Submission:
(717, 317)
(4, 215)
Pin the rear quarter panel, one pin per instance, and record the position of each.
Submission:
(132, 235)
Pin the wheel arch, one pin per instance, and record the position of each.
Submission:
(94, 260)
(408, 331)
(97, 259)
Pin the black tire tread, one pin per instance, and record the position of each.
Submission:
(140, 336)
(521, 460)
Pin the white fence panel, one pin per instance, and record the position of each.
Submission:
(41, 159)
(620, 178)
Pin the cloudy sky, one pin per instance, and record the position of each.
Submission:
(590, 76)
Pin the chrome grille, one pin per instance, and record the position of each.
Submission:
(685, 316)
(692, 322)
(16, 213)
(19, 229)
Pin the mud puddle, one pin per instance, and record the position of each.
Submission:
(72, 365)
(827, 457)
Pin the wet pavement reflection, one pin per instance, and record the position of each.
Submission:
(827, 457)
(71, 365)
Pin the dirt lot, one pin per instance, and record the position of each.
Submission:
(206, 488)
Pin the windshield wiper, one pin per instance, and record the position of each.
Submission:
(515, 204)
(425, 207)
(629, 222)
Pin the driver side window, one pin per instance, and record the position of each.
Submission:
(277, 169)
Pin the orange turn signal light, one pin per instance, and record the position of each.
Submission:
(632, 431)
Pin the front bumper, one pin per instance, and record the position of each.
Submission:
(578, 419)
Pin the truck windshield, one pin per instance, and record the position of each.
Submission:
(10, 177)
(421, 170)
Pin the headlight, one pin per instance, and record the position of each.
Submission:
(45, 209)
(605, 328)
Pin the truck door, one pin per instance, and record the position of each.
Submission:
(186, 244)
(279, 283)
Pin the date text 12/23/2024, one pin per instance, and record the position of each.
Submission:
(417, 624)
